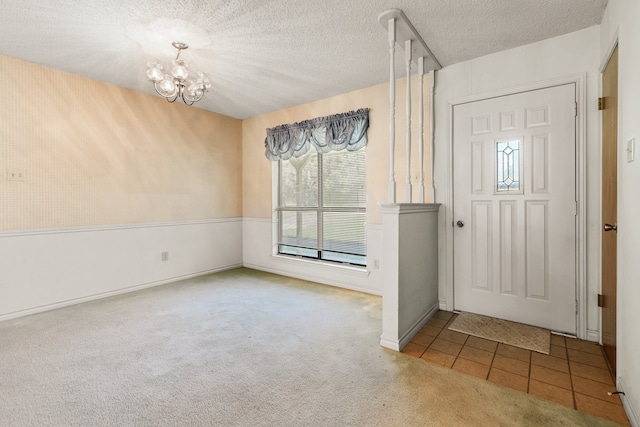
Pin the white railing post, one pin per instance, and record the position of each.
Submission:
(421, 125)
(432, 130)
(392, 110)
(407, 57)
(401, 31)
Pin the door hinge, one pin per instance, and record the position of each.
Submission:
(600, 300)
(576, 306)
(575, 109)
(575, 212)
(600, 104)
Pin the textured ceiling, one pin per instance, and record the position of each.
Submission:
(265, 55)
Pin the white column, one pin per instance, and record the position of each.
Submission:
(392, 110)
(407, 58)
(421, 126)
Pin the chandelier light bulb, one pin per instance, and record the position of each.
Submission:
(155, 72)
(172, 86)
(167, 87)
(179, 70)
(193, 87)
(203, 81)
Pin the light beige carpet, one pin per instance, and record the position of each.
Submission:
(515, 334)
(239, 348)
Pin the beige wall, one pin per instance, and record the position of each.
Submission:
(257, 185)
(96, 154)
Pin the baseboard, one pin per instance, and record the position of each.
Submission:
(399, 344)
(390, 344)
(593, 335)
(312, 278)
(443, 305)
(627, 402)
(404, 340)
(134, 288)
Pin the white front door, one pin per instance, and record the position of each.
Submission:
(514, 212)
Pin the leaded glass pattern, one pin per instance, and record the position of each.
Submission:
(508, 166)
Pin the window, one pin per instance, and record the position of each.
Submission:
(321, 186)
(508, 166)
(322, 206)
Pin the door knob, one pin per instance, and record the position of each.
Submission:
(609, 227)
(460, 224)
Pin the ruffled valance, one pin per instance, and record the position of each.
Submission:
(331, 133)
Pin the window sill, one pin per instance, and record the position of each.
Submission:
(330, 266)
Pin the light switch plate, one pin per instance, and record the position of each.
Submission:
(631, 150)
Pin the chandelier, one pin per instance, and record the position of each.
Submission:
(175, 85)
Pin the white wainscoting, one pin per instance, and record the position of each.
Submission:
(45, 269)
(259, 252)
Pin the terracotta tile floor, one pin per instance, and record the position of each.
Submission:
(575, 374)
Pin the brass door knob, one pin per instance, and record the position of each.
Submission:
(609, 227)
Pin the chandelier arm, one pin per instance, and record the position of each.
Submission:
(168, 98)
(194, 100)
(174, 97)
(156, 89)
(190, 101)
(178, 92)
(155, 86)
(185, 100)
(199, 97)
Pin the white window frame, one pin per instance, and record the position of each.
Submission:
(275, 200)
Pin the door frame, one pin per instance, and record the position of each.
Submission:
(581, 179)
(613, 44)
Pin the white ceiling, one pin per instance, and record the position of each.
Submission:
(265, 55)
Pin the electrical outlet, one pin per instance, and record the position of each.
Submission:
(15, 175)
(376, 263)
(165, 256)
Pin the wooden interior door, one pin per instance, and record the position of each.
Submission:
(609, 204)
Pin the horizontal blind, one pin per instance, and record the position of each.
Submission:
(343, 179)
(322, 206)
(299, 181)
